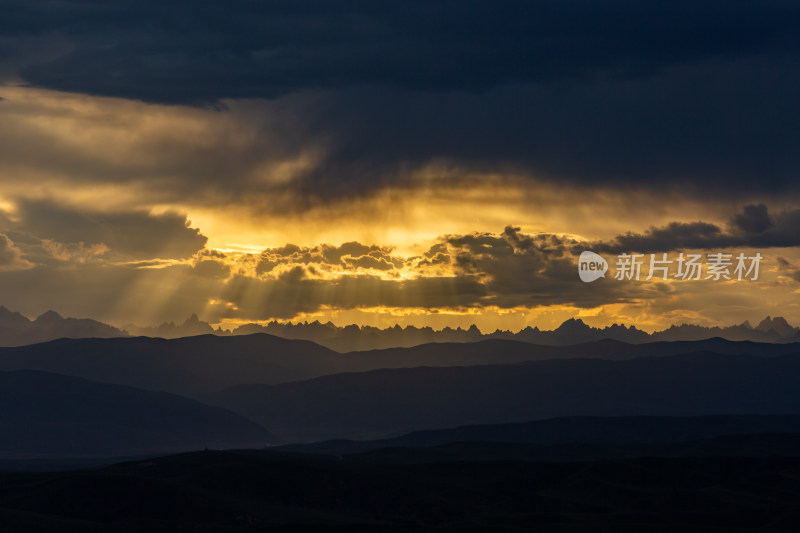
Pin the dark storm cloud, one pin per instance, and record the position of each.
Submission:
(754, 219)
(690, 95)
(528, 270)
(135, 234)
(189, 51)
(754, 227)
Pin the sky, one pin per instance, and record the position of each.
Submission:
(426, 163)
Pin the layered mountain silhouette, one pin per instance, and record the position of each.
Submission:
(18, 330)
(48, 414)
(388, 402)
(195, 366)
(301, 391)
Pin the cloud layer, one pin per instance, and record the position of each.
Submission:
(49, 231)
(354, 96)
(464, 274)
(287, 159)
(184, 52)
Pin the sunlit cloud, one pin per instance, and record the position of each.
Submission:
(330, 202)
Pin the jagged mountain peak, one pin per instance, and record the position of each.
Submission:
(49, 316)
(193, 319)
(778, 324)
(573, 324)
(8, 315)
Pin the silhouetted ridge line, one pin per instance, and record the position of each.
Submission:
(18, 330)
(571, 331)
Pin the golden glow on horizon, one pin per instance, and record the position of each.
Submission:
(489, 319)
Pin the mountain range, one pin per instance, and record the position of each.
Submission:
(301, 392)
(127, 394)
(195, 366)
(572, 331)
(18, 330)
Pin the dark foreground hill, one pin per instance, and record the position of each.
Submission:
(553, 433)
(195, 365)
(46, 414)
(387, 403)
(250, 491)
(757, 445)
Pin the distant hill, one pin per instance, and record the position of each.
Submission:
(18, 330)
(186, 366)
(193, 366)
(384, 403)
(47, 414)
(592, 430)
